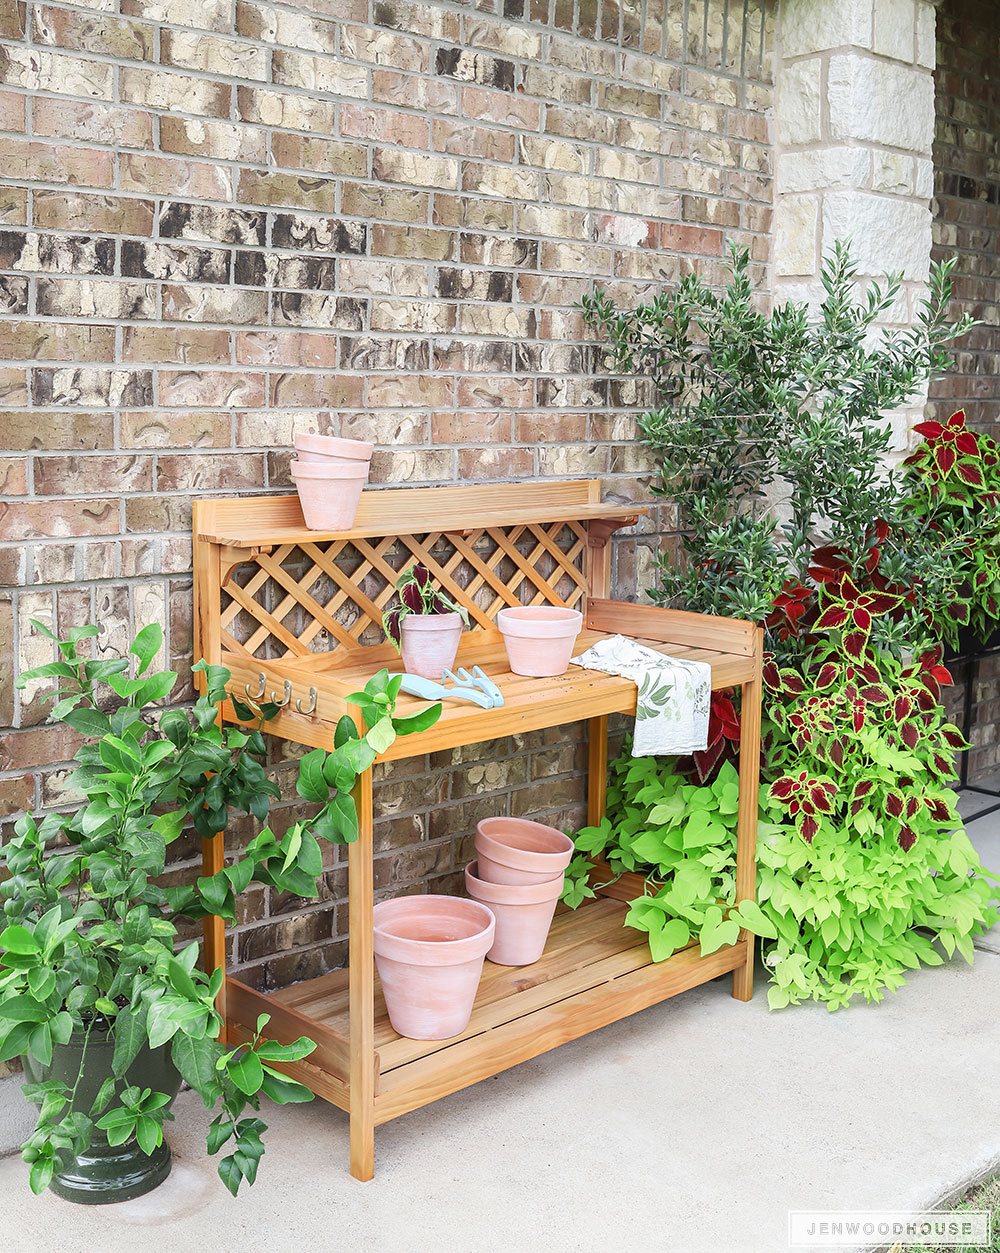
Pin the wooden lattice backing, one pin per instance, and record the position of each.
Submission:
(307, 597)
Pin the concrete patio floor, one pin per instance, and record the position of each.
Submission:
(692, 1127)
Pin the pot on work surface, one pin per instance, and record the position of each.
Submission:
(429, 951)
(104, 1173)
(330, 450)
(523, 912)
(539, 638)
(329, 493)
(518, 851)
(429, 643)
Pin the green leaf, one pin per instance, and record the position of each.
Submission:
(272, 1051)
(86, 721)
(246, 1072)
(129, 1036)
(418, 722)
(311, 784)
(381, 735)
(715, 931)
(147, 644)
(148, 1133)
(195, 1057)
(750, 915)
(283, 1091)
(181, 980)
(19, 940)
(666, 940)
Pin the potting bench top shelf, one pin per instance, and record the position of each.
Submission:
(296, 616)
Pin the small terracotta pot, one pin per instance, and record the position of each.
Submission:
(517, 851)
(329, 494)
(523, 912)
(327, 449)
(430, 642)
(539, 638)
(429, 951)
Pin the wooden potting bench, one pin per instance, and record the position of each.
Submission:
(297, 613)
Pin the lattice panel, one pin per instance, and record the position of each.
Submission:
(305, 598)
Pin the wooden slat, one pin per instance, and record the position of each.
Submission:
(450, 1069)
(245, 1004)
(362, 981)
(746, 821)
(249, 522)
(700, 630)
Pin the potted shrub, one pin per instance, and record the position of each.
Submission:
(106, 1015)
(426, 626)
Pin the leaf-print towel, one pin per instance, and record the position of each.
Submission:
(674, 697)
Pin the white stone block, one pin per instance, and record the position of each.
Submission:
(795, 227)
(926, 34)
(923, 179)
(880, 102)
(817, 168)
(886, 232)
(806, 26)
(894, 31)
(892, 172)
(799, 102)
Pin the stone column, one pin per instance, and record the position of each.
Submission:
(854, 132)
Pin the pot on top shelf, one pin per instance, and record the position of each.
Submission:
(426, 626)
(429, 951)
(329, 492)
(523, 912)
(539, 638)
(330, 450)
(518, 851)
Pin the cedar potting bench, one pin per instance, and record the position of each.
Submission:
(296, 616)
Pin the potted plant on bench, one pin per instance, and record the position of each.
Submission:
(426, 626)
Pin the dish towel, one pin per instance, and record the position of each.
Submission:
(674, 698)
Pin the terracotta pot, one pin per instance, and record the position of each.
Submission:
(429, 951)
(515, 850)
(539, 638)
(328, 493)
(327, 449)
(430, 642)
(523, 912)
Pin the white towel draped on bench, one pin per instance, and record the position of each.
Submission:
(674, 696)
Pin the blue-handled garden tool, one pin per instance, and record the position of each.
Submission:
(474, 687)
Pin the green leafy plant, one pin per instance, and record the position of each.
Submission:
(89, 945)
(754, 409)
(417, 594)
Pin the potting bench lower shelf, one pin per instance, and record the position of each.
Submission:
(294, 614)
(594, 971)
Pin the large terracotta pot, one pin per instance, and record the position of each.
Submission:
(515, 850)
(429, 951)
(539, 638)
(104, 1174)
(430, 643)
(523, 912)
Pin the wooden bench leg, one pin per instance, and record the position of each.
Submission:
(597, 771)
(362, 990)
(746, 828)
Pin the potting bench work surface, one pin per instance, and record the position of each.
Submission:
(297, 614)
(692, 1127)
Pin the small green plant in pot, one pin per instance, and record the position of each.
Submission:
(426, 626)
(105, 1008)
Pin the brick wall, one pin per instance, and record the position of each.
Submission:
(966, 225)
(220, 221)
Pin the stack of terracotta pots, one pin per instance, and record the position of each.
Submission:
(329, 474)
(519, 875)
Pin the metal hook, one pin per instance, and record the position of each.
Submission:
(262, 680)
(312, 702)
(288, 695)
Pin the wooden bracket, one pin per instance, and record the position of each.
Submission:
(600, 530)
(232, 557)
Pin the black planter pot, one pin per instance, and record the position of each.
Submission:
(105, 1174)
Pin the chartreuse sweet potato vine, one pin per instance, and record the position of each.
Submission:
(865, 870)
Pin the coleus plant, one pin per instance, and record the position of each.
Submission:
(954, 481)
(417, 594)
